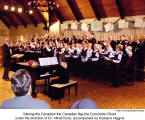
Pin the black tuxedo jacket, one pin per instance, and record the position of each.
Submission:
(6, 56)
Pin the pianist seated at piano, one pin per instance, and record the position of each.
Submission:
(21, 86)
(62, 72)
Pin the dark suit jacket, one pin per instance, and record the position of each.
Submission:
(24, 102)
(6, 56)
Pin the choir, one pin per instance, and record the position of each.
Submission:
(110, 60)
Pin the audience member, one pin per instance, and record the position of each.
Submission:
(84, 104)
(21, 86)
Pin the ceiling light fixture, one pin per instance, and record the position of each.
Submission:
(48, 6)
(30, 12)
(12, 8)
(20, 10)
(6, 7)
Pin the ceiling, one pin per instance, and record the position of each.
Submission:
(73, 10)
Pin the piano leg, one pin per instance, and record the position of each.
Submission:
(45, 87)
(33, 88)
(76, 89)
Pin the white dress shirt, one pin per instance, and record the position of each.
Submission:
(119, 57)
(129, 53)
(89, 53)
(96, 56)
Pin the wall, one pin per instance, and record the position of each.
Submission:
(55, 28)
(131, 31)
(24, 33)
(4, 32)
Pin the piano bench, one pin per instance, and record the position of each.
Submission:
(61, 87)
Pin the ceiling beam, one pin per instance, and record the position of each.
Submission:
(120, 10)
(18, 16)
(10, 18)
(94, 7)
(21, 20)
(59, 15)
(75, 9)
(21, 2)
(34, 7)
(32, 19)
(4, 21)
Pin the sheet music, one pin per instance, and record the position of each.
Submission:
(48, 61)
(139, 23)
(64, 26)
(84, 27)
(53, 61)
(97, 26)
(109, 27)
(74, 26)
(123, 24)
(126, 25)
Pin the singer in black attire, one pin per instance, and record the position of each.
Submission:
(6, 60)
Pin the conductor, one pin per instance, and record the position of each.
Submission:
(6, 59)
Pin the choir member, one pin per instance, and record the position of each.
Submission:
(84, 54)
(92, 39)
(140, 59)
(93, 62)
(129, 65)
(106, 67)
(84, 60)
(76, 60)
(116, 66)
(90, 50)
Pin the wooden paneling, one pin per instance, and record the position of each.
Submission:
(75, 9)
(65, 10)
(133, 7)
(24, 16)
(15, 18)
(85, 8)
(110, 8)
(100, 8)
(54, 18)
(105, 8)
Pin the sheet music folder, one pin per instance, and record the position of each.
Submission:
(47, 61)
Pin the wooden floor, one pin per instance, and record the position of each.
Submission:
(124, 97)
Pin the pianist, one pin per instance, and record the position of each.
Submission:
(21, 86)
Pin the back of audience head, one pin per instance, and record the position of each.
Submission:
(84, 104)
(21, 82)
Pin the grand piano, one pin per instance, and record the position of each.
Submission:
(37, 73)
